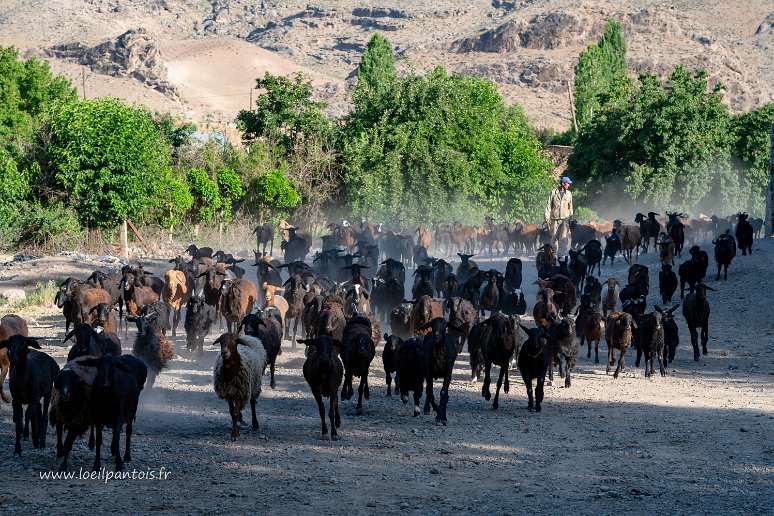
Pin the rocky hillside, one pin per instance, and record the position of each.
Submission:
(201, 57)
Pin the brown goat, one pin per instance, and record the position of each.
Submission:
(611, 298)
(10, 325)
(545, 311)
(357, 298)
(425, 310)
(137, 296)
(591, 330)
(630, 239)
(331, 319)
(174, 294)
(666, 248)
(602, 227)
(619, 328)
(272, 299)
(103, 316)
(239, 298)
(425, 238)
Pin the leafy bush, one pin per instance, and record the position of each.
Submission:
(585, 215)
(205, 195)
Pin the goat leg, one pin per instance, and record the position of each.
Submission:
(255, 416)
(127, 450)
(98, 448)
(321, 408)
(487, 381)
(496, 403)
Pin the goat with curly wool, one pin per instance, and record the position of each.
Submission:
(237, 375)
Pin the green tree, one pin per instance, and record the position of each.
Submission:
(27, 89)
(274, 194)
(601, 75)
(375, 80)
(172, 130)
(205, 194)
(230, 190)
(285, 115)
(108, 157)
(752, 144)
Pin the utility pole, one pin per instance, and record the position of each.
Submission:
(83, 82)
(250, 106)
(770, 191)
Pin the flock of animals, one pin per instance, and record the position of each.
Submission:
(352, 286)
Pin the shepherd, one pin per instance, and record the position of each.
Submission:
(558, 213)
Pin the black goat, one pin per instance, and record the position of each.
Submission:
(410, 370)
(593, 253)
(400, 321)
(264, 235)
(578, 266)
(463, 316)
(439, 356)
(513, 273)
(269, 331)
(725, 251)
(676, 231)
(31, 378)
(199, 317)
(667, 283)
(153, 349)
(89, 342)
(392, 346)
(498, 344)
(649, 228)
(671, 333)
(114, 399)
(323, 371)
(650, 342)
(563, 348)
(693, 271)
(533, 365)
(612, 247)
(696, 311)
(357, 353)
(593, 289)
(744, 234)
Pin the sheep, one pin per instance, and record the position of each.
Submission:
(619, 328)
(269, 331)
(409, 369)
(425, 309)
(667, 283)
(239, 296)
(237, 375)
(671, 333)
(10, 324)
(199, 317)
(272, 299)
(71, 406)
(630, 240)
(593, 254)
(725, 251)
(32, 378)
(153, 349)
(104, 318)
(114, 398)
(175, 293)
(89, 342)
(612, 247)
(744, 234)
(439, 356)
(696, 311)
(650, 342)
(563, 348)
(498, 345)
(545, 311)
(533, 365)
(611, 297)
(589, 325)
(400, 321)
(357, 353)
(462, 315)
(323, 371)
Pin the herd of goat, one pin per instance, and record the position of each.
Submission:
(355, 283)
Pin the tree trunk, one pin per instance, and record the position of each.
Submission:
(770, 192)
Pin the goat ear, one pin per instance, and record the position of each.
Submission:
(32, 343)
(72, 332)
(93, 309)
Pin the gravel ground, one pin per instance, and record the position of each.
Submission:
(697, 441)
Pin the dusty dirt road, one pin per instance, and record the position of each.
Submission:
(697, 441)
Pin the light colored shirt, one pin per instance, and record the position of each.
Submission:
(559, 204)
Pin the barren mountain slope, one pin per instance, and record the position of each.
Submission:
(528, 47)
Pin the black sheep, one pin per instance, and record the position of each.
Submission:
(744, 234)
(357, 352)
(323, 371)
(31, 378)
(533, 365)
(667, 283)
(439, 354)
(725, 251)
